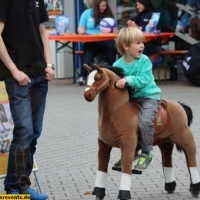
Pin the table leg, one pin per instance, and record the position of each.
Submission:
(56, 45)
(74, 61)
(158, 61)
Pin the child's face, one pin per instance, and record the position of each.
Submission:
(135, 50)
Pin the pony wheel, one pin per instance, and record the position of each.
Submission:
(99, 198)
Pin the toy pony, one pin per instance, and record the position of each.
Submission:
(118, 127)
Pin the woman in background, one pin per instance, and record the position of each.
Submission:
(89, 24)
(144, 13)
(145, 10)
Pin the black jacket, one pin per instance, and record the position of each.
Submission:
(142, 19)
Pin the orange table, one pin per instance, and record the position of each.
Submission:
(65, 40)
(164, 36)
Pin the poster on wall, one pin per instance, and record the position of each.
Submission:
(6, 129)
(6, 121)
(54, 8)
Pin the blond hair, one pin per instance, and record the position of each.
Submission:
(127, 36)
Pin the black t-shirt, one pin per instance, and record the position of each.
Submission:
(21, 35)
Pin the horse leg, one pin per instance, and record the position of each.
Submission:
(101, 178)
(128, 147)
(187, 144)
(166, 152)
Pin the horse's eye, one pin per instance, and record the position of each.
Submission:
(98, 77)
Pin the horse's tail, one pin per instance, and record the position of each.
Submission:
(189, 114)
(188, 111)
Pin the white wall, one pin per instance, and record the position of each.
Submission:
(65, 64)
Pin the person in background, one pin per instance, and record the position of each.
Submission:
(141, 19)
(26, 68)
(143, 16)
(138, 75)
(89, 24)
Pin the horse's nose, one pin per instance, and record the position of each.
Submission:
(88, 96)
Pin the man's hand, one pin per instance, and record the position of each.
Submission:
(49, 74)
(121, 83)
(21, 77)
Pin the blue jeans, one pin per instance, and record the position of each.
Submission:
(27, 105)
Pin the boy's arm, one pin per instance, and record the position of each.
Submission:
(20, 76)
(143, 77)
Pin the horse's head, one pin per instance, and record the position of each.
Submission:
(97, 81)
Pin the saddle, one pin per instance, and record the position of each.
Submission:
(160, 119)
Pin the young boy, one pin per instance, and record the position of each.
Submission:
(138, 75)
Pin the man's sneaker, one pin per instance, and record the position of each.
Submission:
(143, 162)
(81, 81)
(13, 192)
(34, 195)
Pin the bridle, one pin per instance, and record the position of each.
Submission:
(100, 87)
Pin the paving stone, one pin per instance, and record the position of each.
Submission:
(67, 149)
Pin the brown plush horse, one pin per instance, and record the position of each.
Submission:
(118, 127)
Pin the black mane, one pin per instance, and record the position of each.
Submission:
(116, 70)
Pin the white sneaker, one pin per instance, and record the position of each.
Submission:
(81, 81)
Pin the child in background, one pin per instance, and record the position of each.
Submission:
(138, 75)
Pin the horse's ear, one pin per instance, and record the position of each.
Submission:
(88, 68)
(98, 68)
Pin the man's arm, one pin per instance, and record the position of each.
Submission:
(45, 40)
(20, 76)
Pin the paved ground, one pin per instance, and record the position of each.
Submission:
(67, 150)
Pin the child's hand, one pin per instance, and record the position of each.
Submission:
(121, 83)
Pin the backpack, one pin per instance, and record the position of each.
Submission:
(191, 65)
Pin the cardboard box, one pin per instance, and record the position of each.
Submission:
(162, 72)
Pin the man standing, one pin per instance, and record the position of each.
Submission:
(26, 68)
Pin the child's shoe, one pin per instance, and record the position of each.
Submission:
(117, 166)
(143, 161)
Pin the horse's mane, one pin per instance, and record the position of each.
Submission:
(116, 70)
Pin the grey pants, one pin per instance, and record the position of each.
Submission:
(149, 108)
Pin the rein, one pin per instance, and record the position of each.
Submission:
(100, 87)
